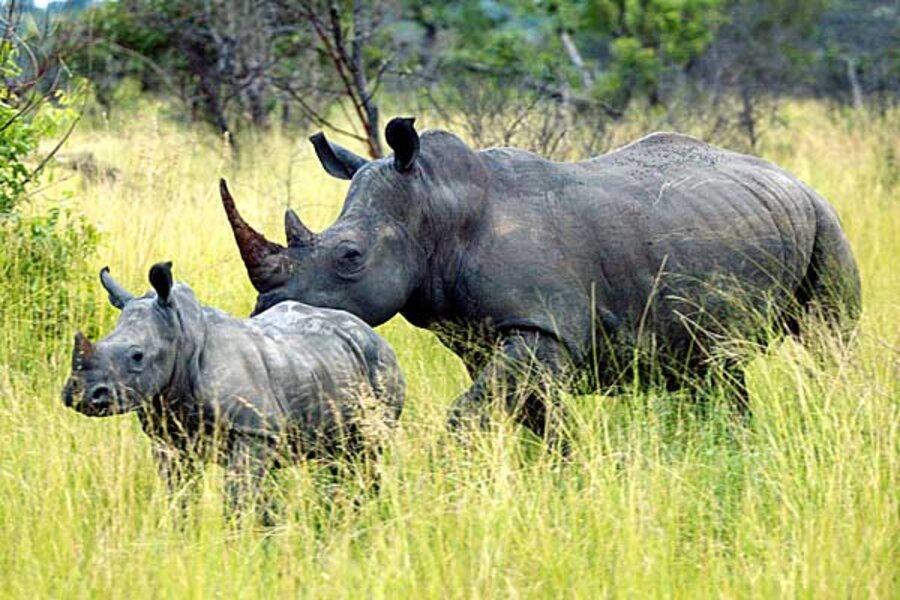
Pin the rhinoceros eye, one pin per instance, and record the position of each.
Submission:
(348, 259)
(136, 358)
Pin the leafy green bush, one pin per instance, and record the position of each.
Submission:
(26, 118)
(43, 268)
(17, 138)
(44, 251)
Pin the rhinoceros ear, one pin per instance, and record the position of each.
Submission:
(336, 160)
(161, 280)
(118, 296)
(403, 139)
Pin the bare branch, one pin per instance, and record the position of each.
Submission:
(318, 118)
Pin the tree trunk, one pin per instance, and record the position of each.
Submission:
(855, 88)
(587, 80)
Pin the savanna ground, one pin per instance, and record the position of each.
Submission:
(662, 498)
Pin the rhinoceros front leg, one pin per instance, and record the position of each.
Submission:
(526, 374)
(178, 470)
(248, 461)
(175, 466)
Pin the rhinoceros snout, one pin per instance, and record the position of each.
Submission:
(98, 400)
(71, 391)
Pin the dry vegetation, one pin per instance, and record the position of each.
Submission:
(662, 499)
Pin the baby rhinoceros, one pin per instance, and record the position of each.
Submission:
(292, 382)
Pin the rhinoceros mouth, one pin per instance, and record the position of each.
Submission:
(93, 409)
(103, 401)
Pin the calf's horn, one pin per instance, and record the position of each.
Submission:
(254, 247)
(83, 351)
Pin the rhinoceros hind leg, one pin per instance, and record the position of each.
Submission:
(729, 382)
(830, 293)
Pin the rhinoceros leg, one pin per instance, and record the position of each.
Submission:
(176, 451)
(525, 373)
(737, 381)
(247, 463)
(178, 468)
(830, 293)
(469, 345)
(727, 379)
(175, 467)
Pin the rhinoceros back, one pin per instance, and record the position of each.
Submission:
(319, 376)
(741, 234)
(340, 341)
(668, 243)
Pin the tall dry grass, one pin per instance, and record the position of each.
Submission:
(661, 499)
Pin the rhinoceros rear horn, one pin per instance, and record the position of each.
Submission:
(118, 296)
(295, 231)
(259, 254)
(82, 352)
(403, 139)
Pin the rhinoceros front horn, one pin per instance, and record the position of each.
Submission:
(82, 352)
(295, 231)
(261, 257)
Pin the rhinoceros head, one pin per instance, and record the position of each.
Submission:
(138, 359)
(368, 262)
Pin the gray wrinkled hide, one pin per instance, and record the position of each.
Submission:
(664, 249)
(669, 240)
(315, 376)
(293, 381)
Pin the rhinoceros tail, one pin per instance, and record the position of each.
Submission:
(830, 290)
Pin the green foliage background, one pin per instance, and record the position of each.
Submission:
(663, 497)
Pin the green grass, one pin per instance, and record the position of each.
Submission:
(659, 500)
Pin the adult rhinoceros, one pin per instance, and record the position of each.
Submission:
(295, 381)
(529, 268)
